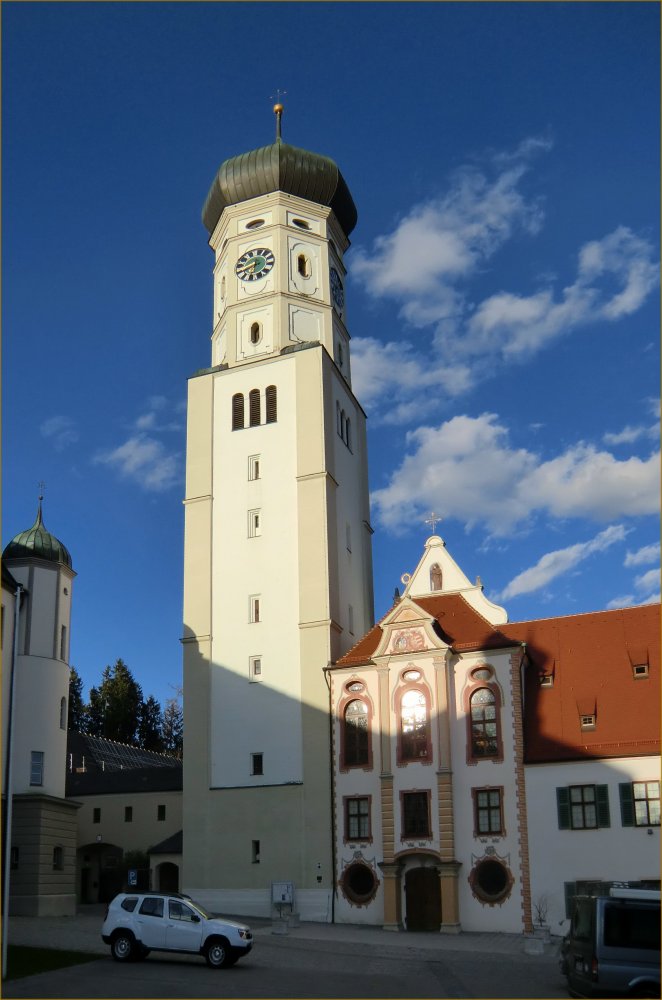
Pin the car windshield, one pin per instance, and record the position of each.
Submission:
(200, 909)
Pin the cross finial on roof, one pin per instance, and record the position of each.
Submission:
(41, 486)
(278, 110)
(433, 520)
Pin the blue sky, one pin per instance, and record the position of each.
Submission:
(502, 295)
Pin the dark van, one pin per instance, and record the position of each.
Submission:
(613, 946)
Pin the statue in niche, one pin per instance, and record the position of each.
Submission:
(435, 577)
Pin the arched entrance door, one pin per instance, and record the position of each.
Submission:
(423, 899)
(167, 876)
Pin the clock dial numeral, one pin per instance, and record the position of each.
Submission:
(255, 264)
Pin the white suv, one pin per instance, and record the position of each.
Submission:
(139, 922)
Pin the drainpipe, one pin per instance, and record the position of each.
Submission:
(9, 777)
(332, 784)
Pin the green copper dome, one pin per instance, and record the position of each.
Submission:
(37, 543)
(280, 167)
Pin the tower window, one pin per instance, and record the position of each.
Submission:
(254, 523)
(257, 763)
(255, 852)
(256, 333)
(238, 411)
(253, 467)
(58, 859)
(340, 354)
(223, 289)
(63, 643)
(255, 668)
(254, 408)
(255, 224)
(37, 767)
(160, 813)
(63, 713)
(254, 608)
(272, 404)
(303, 265)
(301, 223)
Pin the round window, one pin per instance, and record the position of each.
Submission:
(359, 884)
(491, 881)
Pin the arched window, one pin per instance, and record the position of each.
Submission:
(356, 735)
(256, 333)
(435, 577)
(238, 412)
(303, 265)
(63, 713)
(272, 404)
(484, 724)
(254, 408)
(414, 727)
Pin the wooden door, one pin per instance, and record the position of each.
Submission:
(423, 895)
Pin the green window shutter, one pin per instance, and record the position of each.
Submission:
(602, 799)
(563, 807)
(627, 803)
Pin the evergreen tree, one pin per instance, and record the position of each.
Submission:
(95, 713)
(77, 708)
(121, 698)
(173, 728)
(150, 725)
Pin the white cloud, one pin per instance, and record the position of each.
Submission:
(627, 436)
(467, 469)
(156, 419)
(145, 461)
(61, 431)
(628, 600)
(646, 554)
(428, 260)
(553, 564)
(648, 580)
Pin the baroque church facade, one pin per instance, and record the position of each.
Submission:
(420, 773)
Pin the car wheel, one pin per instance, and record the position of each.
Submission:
(123, 946)
(218, 954)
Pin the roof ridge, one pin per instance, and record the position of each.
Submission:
(583, 614)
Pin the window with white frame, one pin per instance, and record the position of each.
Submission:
(254, 608)
(357, 818)
(640, 803)
(37, 767)
(255, 668)
(253, 467)
(583, 807)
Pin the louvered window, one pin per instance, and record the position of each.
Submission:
(272, 404)
(238, 412)
(254, 407)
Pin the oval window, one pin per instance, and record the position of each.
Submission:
(491, 881)
(411, 675)
(355, 686)
(255, 224)
(301, 223)
(359, 884)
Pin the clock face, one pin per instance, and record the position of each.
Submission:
(255, 264)
(337, 289)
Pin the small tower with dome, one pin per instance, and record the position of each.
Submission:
(38, 573)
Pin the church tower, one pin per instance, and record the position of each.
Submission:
(278, 567)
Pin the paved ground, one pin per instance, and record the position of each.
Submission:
(313, 960)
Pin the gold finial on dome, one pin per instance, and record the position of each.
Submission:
(278, 111)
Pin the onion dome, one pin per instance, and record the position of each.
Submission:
(280, 167)
(37, 543)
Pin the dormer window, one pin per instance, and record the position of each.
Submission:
(639, 670)
(546, 680)
(587, 721)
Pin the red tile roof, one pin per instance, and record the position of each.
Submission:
(592, 657)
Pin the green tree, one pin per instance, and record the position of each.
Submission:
(119, 700)
(77, 708)
(95, 713)
(150, 725)
(173, 728)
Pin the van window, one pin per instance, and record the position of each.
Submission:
(632, 926)
(581, 921)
